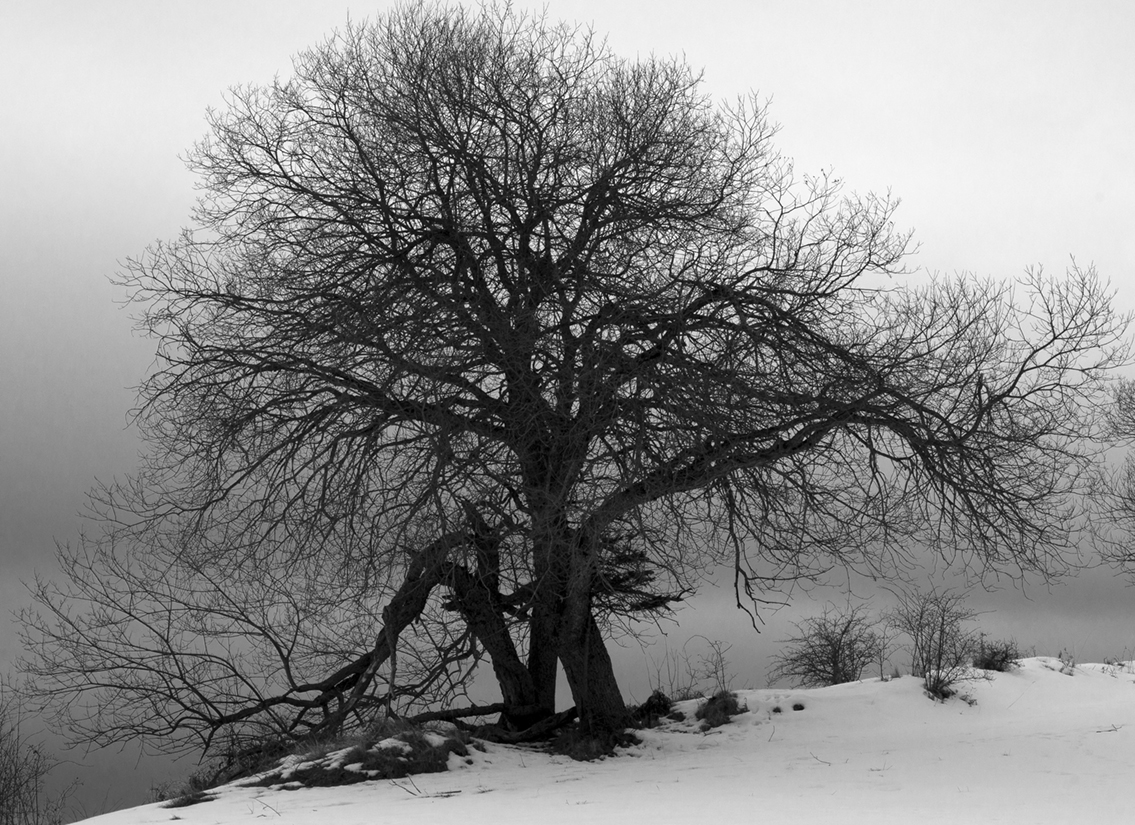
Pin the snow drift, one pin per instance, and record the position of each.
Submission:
(1032, 745)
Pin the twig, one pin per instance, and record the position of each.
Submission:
(416, 792)
(269, 807)
(1023, 692)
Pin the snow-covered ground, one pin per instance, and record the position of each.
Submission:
(1035, 746)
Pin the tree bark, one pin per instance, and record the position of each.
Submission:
(478, 605)
(543, 622)
(582, 651)
(591, 676)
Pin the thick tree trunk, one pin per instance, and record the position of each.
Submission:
(591, 677)
(478, 606)
(478, 597)
(582, 652)
(543, 621)
(542, 654)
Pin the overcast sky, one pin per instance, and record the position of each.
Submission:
(1004, 127)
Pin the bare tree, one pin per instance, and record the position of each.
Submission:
(830, 649)
(474, 306)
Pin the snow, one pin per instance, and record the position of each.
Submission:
(1032, 745)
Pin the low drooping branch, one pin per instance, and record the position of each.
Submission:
(424, 573)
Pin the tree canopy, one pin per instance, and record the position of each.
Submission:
(485, 340)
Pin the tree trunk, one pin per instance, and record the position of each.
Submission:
(478, 606)
(543, 621)
(542, 654)
(591, 677)
(583, 653)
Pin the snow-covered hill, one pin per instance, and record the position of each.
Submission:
(1031, 746)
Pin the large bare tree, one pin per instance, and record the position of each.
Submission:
(475, 311)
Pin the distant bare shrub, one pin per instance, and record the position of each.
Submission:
(191, 791)
(1115, 665)
(689, 674)
(1067, 662)
(830, 649)
(23, 770)
(941, 649)
(1000, 655)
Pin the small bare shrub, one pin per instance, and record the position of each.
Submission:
(1000, 655)
(1115, 665)
(23, 770)
(192, 791)
(1067, 662)
(690, 674)
(830, 649)
(941, 649)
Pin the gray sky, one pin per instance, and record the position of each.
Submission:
(1005, 127)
